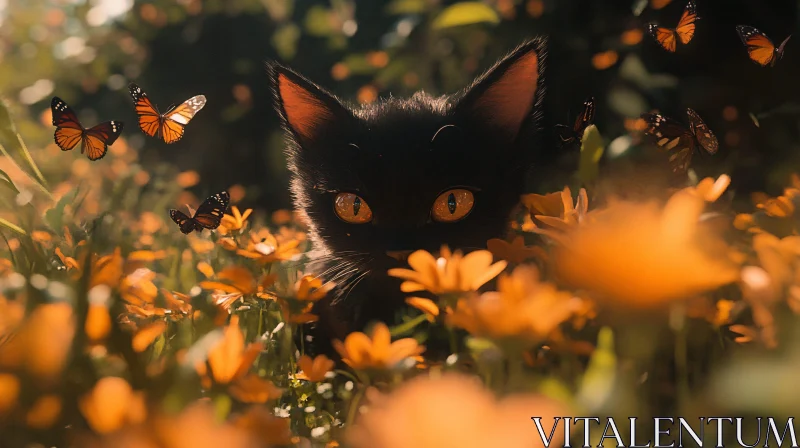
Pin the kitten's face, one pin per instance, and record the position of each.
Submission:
(411, 174)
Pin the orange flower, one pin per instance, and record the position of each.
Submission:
(311, 289)
(98, 322)
(147, 335)
(236, 283)
(41, 237)
(709, 189)
(252, 389)
(314, 370)
(138, 288)
(146, 255)
(605, 59)
(516, 251)
(453, 410)
(199, 245)
(229, 359)
(187, 179)
(451, 273)
(266, 248)
(523, 309)
(236, 221)
(9, 392)
(644, 255)
(112, 404)
(44, 412)
(42, 344)
(427, 306)
(561, 216)
(376, 351)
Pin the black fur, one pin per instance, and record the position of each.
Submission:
(384, 153)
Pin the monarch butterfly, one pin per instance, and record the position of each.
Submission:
(569, 135)
(759, 47)
(69, 131)
(168, 126)
(668, 37)
(674, 136)
(207, 216)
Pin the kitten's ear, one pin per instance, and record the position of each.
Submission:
(306, 109)
(505, 96)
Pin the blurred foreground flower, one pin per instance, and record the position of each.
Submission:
(515, 251)
(111, 405)
(314, 369)
(645, 255)
(229, 359)
(452, 272)
(376, 351)
(453, 411)
(523, 309)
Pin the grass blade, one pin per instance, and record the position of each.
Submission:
(30, 161)
(35, 181)
(12, 226)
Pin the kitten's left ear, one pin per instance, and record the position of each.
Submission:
(504, 97)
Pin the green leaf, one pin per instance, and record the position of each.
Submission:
(285, 40)
(222, 406)
(318, 22)
(465, 13)
(591, 153)
(597, 383)
(5, 179)
(402, 7)
(54, 217)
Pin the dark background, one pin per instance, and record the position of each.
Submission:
(182, 49)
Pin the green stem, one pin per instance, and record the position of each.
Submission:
(408, 326)
(351, 413)
(681, 353)
(12, 226)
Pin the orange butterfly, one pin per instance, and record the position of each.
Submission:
(759, 47)
(69, 131)
(668, 37)
(170, 125)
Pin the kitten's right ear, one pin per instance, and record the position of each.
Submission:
(306, 110)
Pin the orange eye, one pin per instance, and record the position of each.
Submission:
(351, 208)
(453, 205)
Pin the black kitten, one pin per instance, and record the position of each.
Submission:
(379, 181)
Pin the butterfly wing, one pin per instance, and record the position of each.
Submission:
(586, 117)
(150, 118)
(69, 130)
(759, 47)
(672, 137)
(185, 223)
(210, 212)
(702, 133)
(97, 139)
(685, 28)
(175, 120)
(779, 51)
(664, 36)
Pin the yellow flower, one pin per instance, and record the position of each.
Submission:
(644, 255)
(314, 370)
(112, 404)
(453, 410)
(516, 251)
(229, 359)
(450, 273)
(522, 309)
(235, 221)
(376, 351)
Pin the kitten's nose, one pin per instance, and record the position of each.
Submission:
(399, 255)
